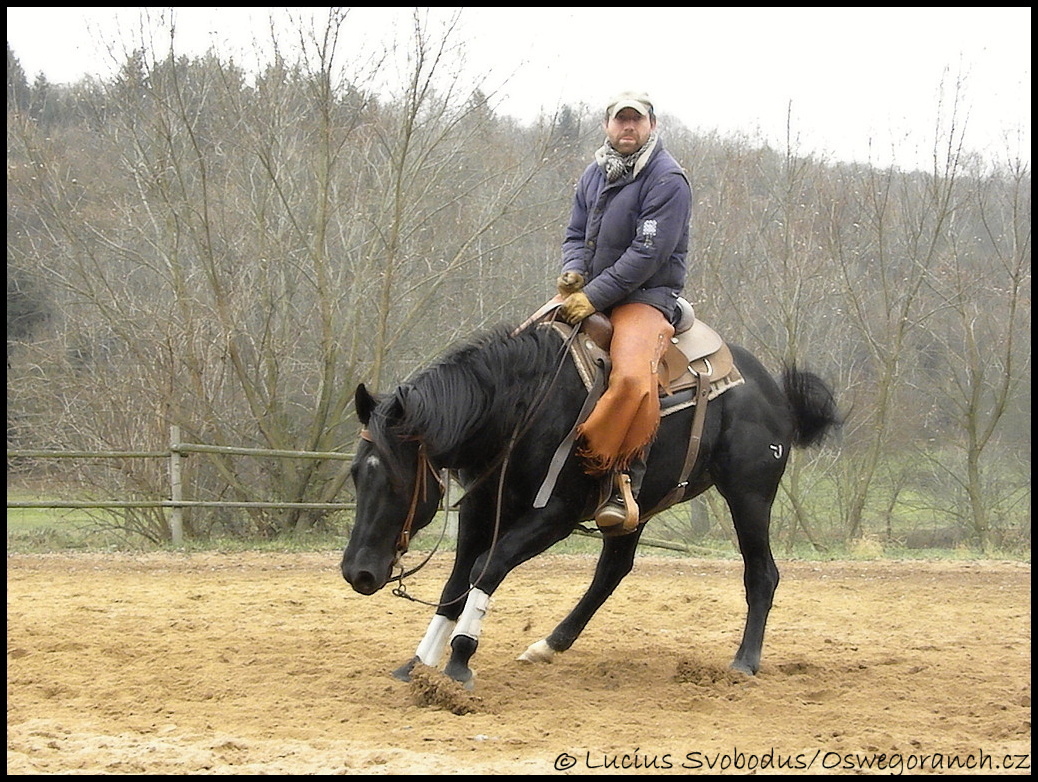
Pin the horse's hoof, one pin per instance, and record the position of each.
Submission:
(403, 673)
(466, 680)
(463, 676)
(539, 652)
(741, 667)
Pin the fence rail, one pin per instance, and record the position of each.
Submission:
(177, 503)
(177, 450)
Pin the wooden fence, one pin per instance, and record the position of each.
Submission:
(176, 503)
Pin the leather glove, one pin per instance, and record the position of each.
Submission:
(569, 282)
(575, 308)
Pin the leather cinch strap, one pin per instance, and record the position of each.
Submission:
(695, 438)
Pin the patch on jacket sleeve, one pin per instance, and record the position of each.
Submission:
(649, 232)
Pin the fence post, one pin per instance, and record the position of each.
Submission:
(176, 514)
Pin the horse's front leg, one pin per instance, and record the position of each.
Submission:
(453, 598)
(530, 535)
(430, 648)
(615, 561)
(465, 637)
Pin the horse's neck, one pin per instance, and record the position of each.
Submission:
(482, 412)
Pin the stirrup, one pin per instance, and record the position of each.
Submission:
(619, 514)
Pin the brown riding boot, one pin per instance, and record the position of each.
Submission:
(619, 514)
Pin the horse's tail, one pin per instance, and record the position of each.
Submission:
(815, 414)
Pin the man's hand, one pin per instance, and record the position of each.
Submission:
(575, 308)
(569, 283)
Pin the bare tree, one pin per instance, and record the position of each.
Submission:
(980, 351)
(231, 252)
(765, 278)
(263, 246)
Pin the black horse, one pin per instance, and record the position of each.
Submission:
(494, 411)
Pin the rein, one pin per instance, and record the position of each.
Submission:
(424, 464)
(540, 398)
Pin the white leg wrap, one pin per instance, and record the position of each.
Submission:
(470, 623)
(430, 650)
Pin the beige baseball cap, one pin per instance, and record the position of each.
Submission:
(638, 101)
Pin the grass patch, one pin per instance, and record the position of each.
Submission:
(34, 519)
(43, 530)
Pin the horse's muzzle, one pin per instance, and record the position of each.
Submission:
(365, 583)
(364, 579)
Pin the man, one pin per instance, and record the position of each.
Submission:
(624, 255)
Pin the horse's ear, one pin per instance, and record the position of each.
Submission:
(365, 403)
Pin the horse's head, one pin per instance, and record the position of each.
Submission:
(397, 493)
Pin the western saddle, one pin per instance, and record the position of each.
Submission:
(696, 368)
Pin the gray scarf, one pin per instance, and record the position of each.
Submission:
(617, 166)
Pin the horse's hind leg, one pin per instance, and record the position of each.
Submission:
(614, 562)
(752, 517)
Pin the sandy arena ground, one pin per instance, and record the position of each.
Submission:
(263, 663)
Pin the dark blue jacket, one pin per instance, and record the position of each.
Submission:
(630, 239)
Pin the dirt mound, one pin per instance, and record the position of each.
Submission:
(431, 687)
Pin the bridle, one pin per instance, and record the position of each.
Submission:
(420, 492)
(425, 465)
(403, 541)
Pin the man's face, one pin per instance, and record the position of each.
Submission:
(628, 131)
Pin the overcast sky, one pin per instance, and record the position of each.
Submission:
(861, 84)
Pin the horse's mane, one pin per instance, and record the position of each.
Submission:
(482, 387)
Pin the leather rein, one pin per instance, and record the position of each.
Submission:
(425, 466)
